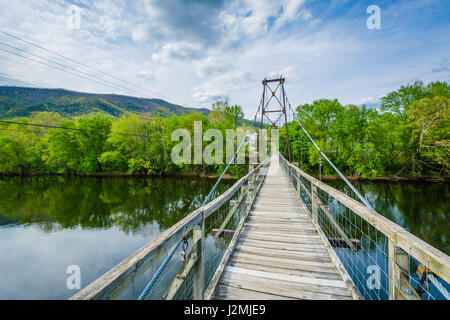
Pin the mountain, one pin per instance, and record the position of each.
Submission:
(21, 102)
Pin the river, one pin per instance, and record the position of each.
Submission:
(48, 223)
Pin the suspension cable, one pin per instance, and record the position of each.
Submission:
(158, 273)
(364, 200)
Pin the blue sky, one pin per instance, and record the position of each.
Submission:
(198, 51)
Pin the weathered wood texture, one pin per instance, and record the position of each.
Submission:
(121, 275)
(280, 254)
(434, 259)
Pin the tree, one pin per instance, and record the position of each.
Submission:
(62, 154)
(234, 114)
(91, 143)
(430, 119)
(13, 156)
(217, 114)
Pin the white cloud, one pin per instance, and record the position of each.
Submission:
(139, 34)
(145, 75)
(292, 72)
(200, 51)
(178, 50)
(368, 100)
(221, 87)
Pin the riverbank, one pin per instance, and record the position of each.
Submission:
(228, 176)
(388, 178)
(120, 174)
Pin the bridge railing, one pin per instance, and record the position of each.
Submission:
(383, 259)
(186, 260)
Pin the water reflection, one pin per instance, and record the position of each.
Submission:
(419, 207)
(48, 223)
(127, 203)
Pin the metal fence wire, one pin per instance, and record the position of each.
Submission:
(379, 268)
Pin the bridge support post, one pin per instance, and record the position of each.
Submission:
(199, 269)
(314, 202)
(399, 285)
(250, 185)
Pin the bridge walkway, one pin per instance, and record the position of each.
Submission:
(280, 253)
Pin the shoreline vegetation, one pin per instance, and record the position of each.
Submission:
(331, 177)
(406, 138)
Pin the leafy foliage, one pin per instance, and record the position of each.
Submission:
(409, 135)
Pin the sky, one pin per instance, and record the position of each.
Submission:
(195, 52)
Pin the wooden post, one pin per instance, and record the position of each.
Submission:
(314, 209)
(402, 265)
(391, 258)
(399, 286)
(250, 183)
(199, 269)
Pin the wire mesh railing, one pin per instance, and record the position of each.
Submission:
(383, 260)
(184, 260)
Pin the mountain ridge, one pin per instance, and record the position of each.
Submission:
(22, 101)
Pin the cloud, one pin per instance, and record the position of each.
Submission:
(292, 72)
(369, 100)
(145, 75)
(222, 87)
(178, 50)
(200, 51)
(139, 34)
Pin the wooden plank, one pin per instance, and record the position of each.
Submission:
(224, 292)
(288, 278)
(283, 238)
(277, 219)
(307, 266)
(268, 237)
(295, 272)
(231, 213)
(120, 275)
(280, 222)
(228, 252)
(285, 288)
(277, 214)
(184, 271)
(434, 259)
(297, 263)
(282, 246)
(336, 225)
(282, 226)
(284, 254)
(273, 207)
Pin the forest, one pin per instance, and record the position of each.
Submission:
(408, 135)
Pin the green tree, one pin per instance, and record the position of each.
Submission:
(13, 156)
(234, 115)
(430, 119)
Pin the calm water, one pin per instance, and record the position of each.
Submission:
(49, 223)
(421, 208)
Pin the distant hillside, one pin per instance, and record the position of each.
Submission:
(21, 102)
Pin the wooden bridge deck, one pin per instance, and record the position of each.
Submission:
(280, 254)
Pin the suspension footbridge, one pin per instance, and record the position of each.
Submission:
(280, 254)
(279, 233)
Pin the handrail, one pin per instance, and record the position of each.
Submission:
(130, 266)
(431, 257)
